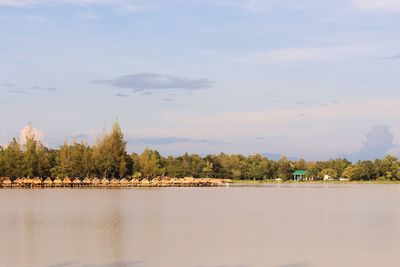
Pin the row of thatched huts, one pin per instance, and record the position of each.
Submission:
(125, 182)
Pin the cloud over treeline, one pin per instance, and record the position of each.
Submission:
(30, 131)
(379, 142)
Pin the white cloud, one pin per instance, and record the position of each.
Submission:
(379, 141)
(29, 130)
(384, 5)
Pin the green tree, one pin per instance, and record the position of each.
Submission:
(134, 162)
(13, 160)
(285, 169)
(109, 153)
(256, 167)
(339, 165)
(387, 168)
(150, 163)
(173, 167)
(363, 170)
(207, 169)
(30, 153)
(43, 161)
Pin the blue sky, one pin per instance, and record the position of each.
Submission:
(302, 78)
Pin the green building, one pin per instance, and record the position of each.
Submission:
(300, 175)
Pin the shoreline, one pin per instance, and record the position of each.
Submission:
(210, 183)
(94, 182)
(266, 182)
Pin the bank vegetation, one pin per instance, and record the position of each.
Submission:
(108, 158)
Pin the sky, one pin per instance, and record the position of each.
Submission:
(303, 78)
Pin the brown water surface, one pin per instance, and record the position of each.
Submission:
(278, 226)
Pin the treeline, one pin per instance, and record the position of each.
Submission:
(108, 157)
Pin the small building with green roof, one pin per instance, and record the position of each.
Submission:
(300, 175)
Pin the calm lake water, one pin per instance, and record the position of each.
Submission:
(278, 226)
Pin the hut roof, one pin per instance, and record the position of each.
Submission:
(144, 181)
(166, 181)
(105, 181)
(27, 180)
(6, 181)
(86, 181)
(188, 180)
(177, 181)
(66, 180)
(155, 182)
(77, 181)
(36, 180)
(216, 181)
(114, 181)
(57, 181)
(124, 181)
(18, 181)
(47, 181)
(134, 181)
(196, 181)
(96, 180)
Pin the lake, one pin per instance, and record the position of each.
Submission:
(295, 225)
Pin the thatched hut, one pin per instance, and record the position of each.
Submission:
(155, 182)
(6, 182)
(28, 181)
(172, 181)
(86, 182)
(134, 182)
(188, 181)
(76, 182)
(17, 182)
(47, 182)
(67, 182)
(184, 182)
(57, 182)
(144, 182)
(204, 182)
(196, 182)
(104, 182)
(125, 182)
(115, 182)
(36, 182)
(199, 182)
(216, 182)
(96, 182)
(177, 182)
(166, 182)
